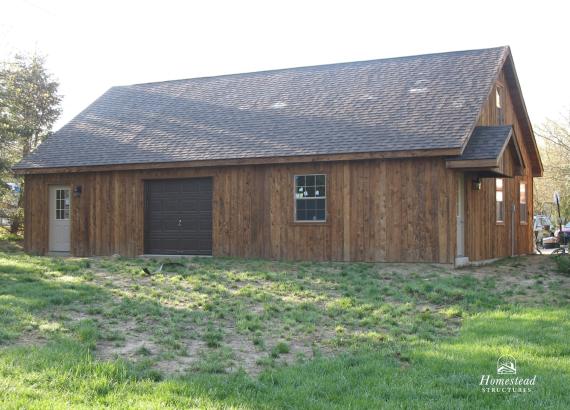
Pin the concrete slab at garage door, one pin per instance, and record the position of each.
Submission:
(178, 216)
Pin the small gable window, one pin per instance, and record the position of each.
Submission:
(499, 200)
(499, 103)
(523, 210)
(310, 198)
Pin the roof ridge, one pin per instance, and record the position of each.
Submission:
(276, 70)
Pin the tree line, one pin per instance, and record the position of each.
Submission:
(554, 145)
(30, 103)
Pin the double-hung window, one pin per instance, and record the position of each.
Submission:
(310, 198)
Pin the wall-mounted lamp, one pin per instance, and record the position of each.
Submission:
(476, 184)
(77, 190)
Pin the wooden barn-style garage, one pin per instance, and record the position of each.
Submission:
(426, 158)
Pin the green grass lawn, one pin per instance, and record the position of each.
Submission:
(230, 333)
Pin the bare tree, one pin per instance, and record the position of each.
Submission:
(554, 143)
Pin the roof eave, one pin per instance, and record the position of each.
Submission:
(490, 165)
(427, 153)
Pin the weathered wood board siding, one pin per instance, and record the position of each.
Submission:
(484, 238)
(377, 210)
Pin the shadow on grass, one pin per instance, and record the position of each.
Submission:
(413, 375)
(63, 370)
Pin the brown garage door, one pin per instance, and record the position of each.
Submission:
(178, 216)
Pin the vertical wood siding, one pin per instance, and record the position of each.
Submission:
(484, 238)
(377, 210)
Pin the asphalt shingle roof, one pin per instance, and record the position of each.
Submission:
(407, 103)
(486, 143)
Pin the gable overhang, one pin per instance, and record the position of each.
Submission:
(522, 115)
(507, 65)
(493, 166)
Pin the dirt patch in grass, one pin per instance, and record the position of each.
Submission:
(245, 352)
(242, 312)
(30, 338)
(220, 315)
(528, 279)
(253, 311)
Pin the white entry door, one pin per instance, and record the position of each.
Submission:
(59, 218)
(461, 215)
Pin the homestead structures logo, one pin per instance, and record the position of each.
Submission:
(506, 365)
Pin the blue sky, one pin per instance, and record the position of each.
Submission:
(93, 45)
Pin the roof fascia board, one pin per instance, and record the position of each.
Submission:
(490, 164)
(522, 112)
(472, 163)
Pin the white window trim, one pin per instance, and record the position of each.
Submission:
(525, 221)
(500, 103)
(302, 221)
(502, 190)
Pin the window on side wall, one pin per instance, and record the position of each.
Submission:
(499, 200)
(310, 198)
(499, 105)
(523, 210)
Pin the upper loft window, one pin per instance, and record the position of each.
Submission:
(499, 200)
(499, 105)
(310, 198)
(523, 209)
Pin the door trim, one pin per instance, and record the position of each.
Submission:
(460, 215)
(513, 229)
(51, 218)
(460, 258)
